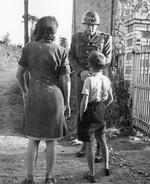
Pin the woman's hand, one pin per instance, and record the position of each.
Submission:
(85, 74)
(67, 111)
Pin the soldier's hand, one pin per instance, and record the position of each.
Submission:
(85, 74)
(24, 96)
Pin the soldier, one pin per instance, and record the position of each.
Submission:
(82, 45)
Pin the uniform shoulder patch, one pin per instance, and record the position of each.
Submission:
(106, 35)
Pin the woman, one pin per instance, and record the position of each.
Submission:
(47, 99)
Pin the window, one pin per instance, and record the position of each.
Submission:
(130, 42)
(129, 56)
(128, 69)
(145, 34)
(130, 28)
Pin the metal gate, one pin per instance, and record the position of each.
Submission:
(141, 91)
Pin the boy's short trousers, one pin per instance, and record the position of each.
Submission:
(89, 135)
(89, 127)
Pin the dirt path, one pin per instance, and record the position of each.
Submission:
(129, 160)
(7, 80)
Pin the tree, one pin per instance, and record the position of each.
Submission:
(63, 42)
(32, 19)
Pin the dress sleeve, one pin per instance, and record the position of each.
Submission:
(23, 59)
(86, 87)
(65, 66)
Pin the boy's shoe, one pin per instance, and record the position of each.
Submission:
(107, 172)
(50, 181)
(89, 178)
(28, 181)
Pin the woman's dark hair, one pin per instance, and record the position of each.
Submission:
(45, 28)
(97, 60)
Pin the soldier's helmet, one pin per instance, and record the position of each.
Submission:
(91, 17)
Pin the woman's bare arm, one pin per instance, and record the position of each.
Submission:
(20, 79)
(66, 87)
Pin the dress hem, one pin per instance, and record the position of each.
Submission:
(42, 139)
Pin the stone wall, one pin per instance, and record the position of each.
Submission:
(125, 10)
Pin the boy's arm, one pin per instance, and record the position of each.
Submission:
(83, 105)
(111, 97)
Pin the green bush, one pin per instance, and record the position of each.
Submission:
(121, 108)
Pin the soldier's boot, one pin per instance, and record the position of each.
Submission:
(81, 152)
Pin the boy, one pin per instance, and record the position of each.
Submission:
(92, 120)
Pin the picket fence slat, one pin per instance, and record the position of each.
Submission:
(141, 91)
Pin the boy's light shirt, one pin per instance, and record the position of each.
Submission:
(96, 87)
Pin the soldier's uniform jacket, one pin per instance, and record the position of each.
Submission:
(82, 45)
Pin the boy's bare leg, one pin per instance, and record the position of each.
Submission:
(101, 138)
(105, 152)
(98, 155)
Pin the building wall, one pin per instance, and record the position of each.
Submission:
(122, 11)
(103, 7)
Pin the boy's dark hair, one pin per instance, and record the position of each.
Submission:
(97, 60)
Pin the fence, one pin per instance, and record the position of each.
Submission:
(141, 91)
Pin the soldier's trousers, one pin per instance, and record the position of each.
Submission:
(78, 88)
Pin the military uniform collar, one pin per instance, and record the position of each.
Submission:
(86, 37)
